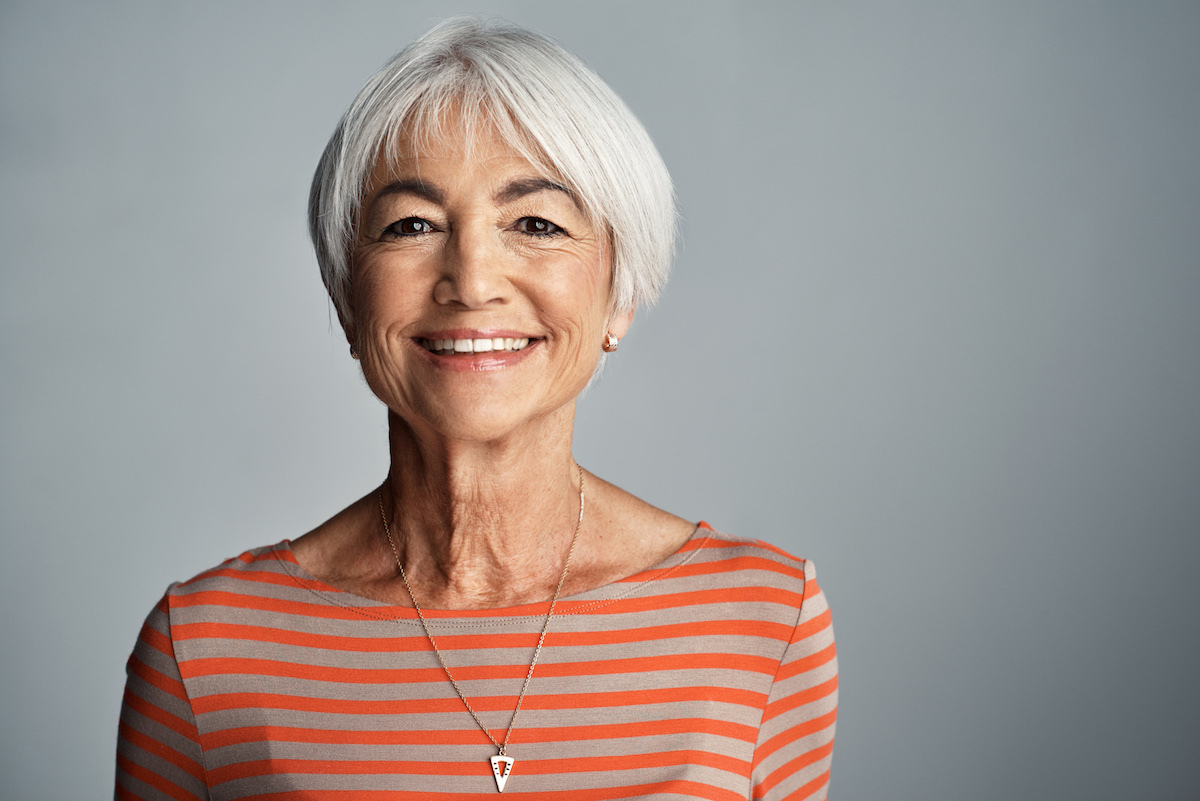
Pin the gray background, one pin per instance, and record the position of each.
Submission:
(934, 325)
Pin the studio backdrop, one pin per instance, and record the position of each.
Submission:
(933, 325)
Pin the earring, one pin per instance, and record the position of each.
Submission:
(611, 343)
(353, 353)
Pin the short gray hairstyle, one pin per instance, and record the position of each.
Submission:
(545, 103)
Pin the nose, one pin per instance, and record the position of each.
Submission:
(473, 271)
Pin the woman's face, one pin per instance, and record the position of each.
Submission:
(480, 290)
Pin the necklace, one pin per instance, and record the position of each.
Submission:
(502, 764)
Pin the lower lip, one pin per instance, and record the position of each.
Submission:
(477, 362)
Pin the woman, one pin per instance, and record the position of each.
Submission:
(487, 216)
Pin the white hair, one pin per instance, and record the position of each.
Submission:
(543, 101)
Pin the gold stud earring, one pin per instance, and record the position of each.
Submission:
(611, 343)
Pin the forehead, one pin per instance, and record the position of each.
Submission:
(452, 143)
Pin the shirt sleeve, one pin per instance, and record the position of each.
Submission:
(158, 746)
(795, 739)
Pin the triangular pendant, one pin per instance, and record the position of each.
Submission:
(501, 767)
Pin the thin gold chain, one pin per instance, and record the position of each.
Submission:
(545, 627)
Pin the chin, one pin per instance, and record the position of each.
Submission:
(469, 420)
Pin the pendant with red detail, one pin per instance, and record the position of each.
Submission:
(501, 767)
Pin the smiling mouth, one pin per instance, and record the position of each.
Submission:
(451, 347)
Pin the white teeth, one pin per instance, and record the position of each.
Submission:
(476, 345)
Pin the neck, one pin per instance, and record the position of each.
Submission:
(482, 524)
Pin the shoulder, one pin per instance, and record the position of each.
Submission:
(783, 579)
(269, 572)
(229, 609)
(750, 557)
(202, 598)
(726, 575)
(255, 564)
(773, 573)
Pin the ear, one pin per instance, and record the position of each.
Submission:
(619, 322)
(349, 329)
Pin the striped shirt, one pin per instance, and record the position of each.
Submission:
(710, 675)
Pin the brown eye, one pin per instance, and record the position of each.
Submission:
(537, 227)
(409, 226)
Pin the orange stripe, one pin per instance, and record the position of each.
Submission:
(328, 642)
(730, 565)
(658, 759)
(805, 664)
(815, 786)
(801, 698)
(242, 601)
(810, 627)
(282, 553)
(313, 767)
(154, 678)
(532, 767)
(792, 767)
(156, 640)
(218, 666)
(160, 750)
(743, 562)
(711, 542)
(794, 733)
(274, 552)
(258, 577)
(125, 794)
(450, 642)
(675, 600)
(159, 715)
(542, 734)
(683, 789)
(149, 777)
(244, 558)
(766, 546)
(491, 703)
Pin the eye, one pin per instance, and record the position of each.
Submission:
(536, 226)
(409, 226)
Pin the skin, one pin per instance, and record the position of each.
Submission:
(482, 493)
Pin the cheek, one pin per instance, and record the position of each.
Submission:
(578, 302)
(582, 283)
(577, 309)
(384, 295)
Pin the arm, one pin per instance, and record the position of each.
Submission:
(158, 747)
(795, 739)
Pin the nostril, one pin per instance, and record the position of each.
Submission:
(472, 291)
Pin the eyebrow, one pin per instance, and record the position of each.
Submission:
(521, 187)
(413, 186)
(514, 190)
